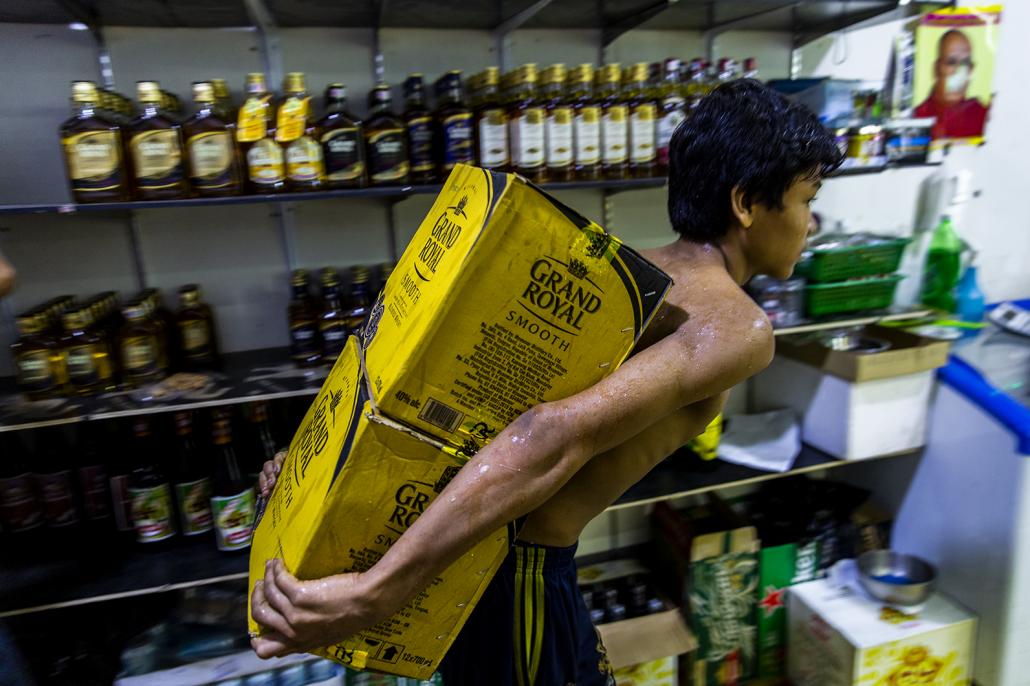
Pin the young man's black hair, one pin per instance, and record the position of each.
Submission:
(748, 135)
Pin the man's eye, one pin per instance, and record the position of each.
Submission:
(812, 199)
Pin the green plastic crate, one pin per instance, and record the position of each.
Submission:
(850, 296)
(850, 262)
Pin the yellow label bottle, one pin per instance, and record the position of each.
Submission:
(264, 159)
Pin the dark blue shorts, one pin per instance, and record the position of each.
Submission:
(530, 628)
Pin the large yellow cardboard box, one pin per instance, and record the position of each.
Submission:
(505, 298)
(353, 482)
(840, 638)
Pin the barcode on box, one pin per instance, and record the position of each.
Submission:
(440, 415)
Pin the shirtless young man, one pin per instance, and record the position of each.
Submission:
(744, 169)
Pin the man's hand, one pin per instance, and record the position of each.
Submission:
(303, 615)
(269, 473)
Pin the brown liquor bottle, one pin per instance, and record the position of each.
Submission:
(39, 363)
(295, 131)
(558, 130)
(343, 145)
(223, 100)
(263, 157)
(418, 122)
(385, 141)
(89, 366)
(643, 115)
(158, 163)
(526, 117)
(93, 146)
(454, 124)
(332, 322)
(586, 124)
(139, 347)
(211, 147)
(305, 342)
(196, 330)
(614, 123)
(360, 299)
(491, 122)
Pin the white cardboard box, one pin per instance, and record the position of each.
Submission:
(851, 420)
(839, 638)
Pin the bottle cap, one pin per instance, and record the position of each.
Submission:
(203, 92)
(149, 92)
(294, 83)
(84, 91)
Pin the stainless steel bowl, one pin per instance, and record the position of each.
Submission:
(852, 340)
(896, 578)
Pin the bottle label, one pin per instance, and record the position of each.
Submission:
(152, 513)
(55, 491)
(139, 355)
(234, 519)
(642, 131)
(420, 143)
(292, 119)
(82, 365)
(559, 137)
(94, 160)
(33, 371)
(457, 140)
(614, 135)
(157, 159)
(667, 126)
(493, 139)
(265, 163)
(19, 508)
(387, 158)
(303, 340)
(195, 336)
(121, 502)
(251, 124)
(527, 138)
(341, 149)
(304, 160)
(211, 160)
(587, 134)
(334, 337)
(95, 503)
(194, 499)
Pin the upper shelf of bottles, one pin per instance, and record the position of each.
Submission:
(806, 20)
(392, 193)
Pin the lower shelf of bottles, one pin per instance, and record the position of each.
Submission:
(87, 575)
(266, 374)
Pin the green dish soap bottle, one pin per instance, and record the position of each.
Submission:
(943, 267)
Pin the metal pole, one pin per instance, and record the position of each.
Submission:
(503, 30)
(136, 247)
(284, 213)
(391, 231)
(378, 63)
(268, 34)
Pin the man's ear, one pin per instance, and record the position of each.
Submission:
(741, 207)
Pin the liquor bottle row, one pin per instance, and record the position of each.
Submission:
(70, 347)
(171, 477)
(557, 124)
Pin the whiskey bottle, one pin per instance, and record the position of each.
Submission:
(360, 299)
(642, 119)
(491, 123)
(385, 141)
(586, 124)
(305, 342)
(332, 322)
(210, 146)
(558, 130)
(196, 330)
(697, 82)
(295, 131)
(93, 149)
(343, 145)
(266, 168)
(39, 363)
(418, 122)
(614, 123)
(223, 100)
(89, 366)
(157, 150)
(526, 117)
(672, 109)
(139, 347)
(453, 124)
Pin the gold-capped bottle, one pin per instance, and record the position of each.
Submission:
(671, 109)
(332, 322)
(93, 149)
(39, 362)
(211, 147)
(223, 100)
(295, 131)
(343, 144)
(558, 131)
(156, 145)
(196, 330)
(89, 366)
(418, 123)
(491, 122)
(305, 342)
(263, 157)
(526, 122)
(454, 124)
(386, 143)
(614, 123)
(643, 115)
(586, 124)
(139, 346)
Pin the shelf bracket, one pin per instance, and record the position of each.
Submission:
(715, 30)
(378, 63)
(391, 229)
(503, 31)
(87, 14)
(284, 212)
(607, 210)
(271, 48)
(610, 32)
(136, 246)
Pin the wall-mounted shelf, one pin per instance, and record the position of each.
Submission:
(849, 320)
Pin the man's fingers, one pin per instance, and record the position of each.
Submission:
(271, 644)
(276, 598)
(265, 615)
(285, 582)
(278, 460)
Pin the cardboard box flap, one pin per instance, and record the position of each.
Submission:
(643, 639)
(908, 354)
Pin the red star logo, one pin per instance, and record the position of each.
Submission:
(773, 600)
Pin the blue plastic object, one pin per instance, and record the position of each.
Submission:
(971, 304)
